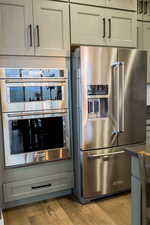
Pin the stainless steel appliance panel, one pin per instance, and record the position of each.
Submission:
(132, 107)
(98, 125)
(105, 171)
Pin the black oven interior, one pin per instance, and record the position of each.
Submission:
(29, 135)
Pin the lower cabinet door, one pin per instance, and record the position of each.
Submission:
(105, 171)
(122, 28)
(37, 186)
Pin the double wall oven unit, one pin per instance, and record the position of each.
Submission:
(35, 114)
(109, 95)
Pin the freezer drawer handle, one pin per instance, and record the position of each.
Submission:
(105, 155)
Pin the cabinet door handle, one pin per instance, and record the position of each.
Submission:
(104, 27)
(109, 21)
(41, 186)
(38, 35)
(145, 7)
(140, 6)
(31, 41)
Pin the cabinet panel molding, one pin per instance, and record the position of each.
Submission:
(122, 28)
(117, 4)
(123, 4)
(51, 28)
(16, 27)
(87, 25)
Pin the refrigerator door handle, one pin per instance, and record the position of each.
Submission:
(122, 65)
(120, 81)
(116, 72)
(118, 98)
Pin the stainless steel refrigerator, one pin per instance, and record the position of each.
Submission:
(109, 100)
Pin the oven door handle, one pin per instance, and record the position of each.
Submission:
(105, 155)
(36, 113)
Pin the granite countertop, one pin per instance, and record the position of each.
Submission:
(138, 149)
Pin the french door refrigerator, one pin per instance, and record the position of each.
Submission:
(109, 100)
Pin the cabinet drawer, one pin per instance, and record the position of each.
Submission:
(37, 186)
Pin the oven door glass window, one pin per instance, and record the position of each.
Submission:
(31, 135)
(30, 94)
(34, 73)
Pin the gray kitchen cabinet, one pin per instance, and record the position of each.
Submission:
(143, 37)
(37, 186)
(34, 27)
(51, 28)
(146, 46)
(87, 25)
(143, 10)
(38, 180)
(119, 4)
(123, 4)
(148, 134)
(121, 28)
(99, 26)
(16, 22)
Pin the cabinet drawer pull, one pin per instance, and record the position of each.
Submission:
(31, 42)
(41, 186)
(109, 21)
(104, 27)
(38, 35)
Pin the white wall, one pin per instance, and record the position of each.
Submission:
(148, 94)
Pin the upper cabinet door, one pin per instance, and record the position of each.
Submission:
(123, 4)
(146, 46)
(122, 29)
(146, 10)
(91, 2)
(16, 30)
(140, 6)
(51, 20)
(88, 25)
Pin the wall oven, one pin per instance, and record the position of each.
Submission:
(33, 138)
(35, 113)
(31, 96)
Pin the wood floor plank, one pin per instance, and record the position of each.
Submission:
(66, 211)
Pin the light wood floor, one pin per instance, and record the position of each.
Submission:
(66, 211)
